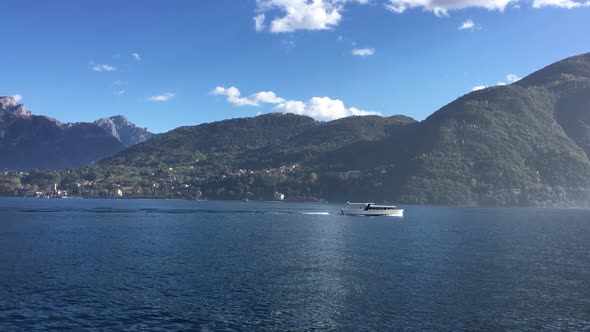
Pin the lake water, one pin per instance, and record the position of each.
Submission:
(207, 266)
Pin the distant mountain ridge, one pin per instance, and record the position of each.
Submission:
(264, 140)
(9, 106)
(574, 68)
(33, 141)
(124, 130)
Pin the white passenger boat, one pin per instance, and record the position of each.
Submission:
(371, 209)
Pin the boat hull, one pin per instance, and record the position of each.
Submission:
(374, 213)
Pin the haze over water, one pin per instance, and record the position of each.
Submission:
(163, 265)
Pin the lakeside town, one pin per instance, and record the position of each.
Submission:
(180, 182)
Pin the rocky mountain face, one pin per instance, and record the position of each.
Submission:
(9, 106)
(30, 141)
(124, 130)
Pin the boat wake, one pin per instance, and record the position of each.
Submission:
(108, 210)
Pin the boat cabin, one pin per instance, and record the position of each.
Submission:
(372, 206)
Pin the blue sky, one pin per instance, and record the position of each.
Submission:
(207, 60)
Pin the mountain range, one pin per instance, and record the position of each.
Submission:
(526, 143)
(33, 141)
(124, 130)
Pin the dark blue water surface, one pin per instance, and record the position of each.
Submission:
(182, 265)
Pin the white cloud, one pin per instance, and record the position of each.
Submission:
(442, 7)
(467, 25)
(302, 14)
(119, 92)
(266, 97)
(293, 15)
(511, 78)
(103, 67)
(327, 14)
(136, 56)
(163, 97)
(259, 22)
(17, 98)
(357, 112)
(233, 97)
(363, 51)
(569, 4)
(320, 108)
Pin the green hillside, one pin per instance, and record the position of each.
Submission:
(524, 144)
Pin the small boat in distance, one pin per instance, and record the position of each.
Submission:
(371, 209)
